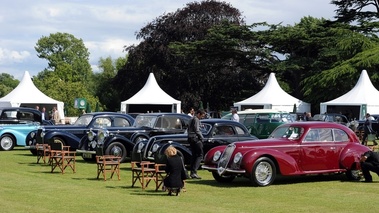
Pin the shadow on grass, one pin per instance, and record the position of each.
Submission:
(280, 180)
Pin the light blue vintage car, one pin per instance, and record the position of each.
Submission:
(15, 134)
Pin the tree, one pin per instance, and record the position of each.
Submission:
(68, 75)
(7, 84)
(154, 55)
(361, 14)
(108, 96)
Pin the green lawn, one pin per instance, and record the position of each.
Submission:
(29, 187)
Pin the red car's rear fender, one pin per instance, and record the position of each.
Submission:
(286, 165)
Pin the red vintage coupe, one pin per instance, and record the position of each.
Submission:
(299, 148)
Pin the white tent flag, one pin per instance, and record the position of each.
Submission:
(28, 95)
(272, 96)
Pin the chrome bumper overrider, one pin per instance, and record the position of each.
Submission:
(210, 168)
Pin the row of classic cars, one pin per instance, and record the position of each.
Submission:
(293, 148)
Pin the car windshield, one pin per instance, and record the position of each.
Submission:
(145, 121)
(290, 132)
(83, 120)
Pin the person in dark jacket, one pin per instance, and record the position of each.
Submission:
(369, 162)
(175, 170)
(195, 139)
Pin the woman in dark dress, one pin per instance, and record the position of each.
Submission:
(175, 170)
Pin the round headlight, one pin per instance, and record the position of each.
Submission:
(216, 156)
(32, 134)
(155, 148)
(91, 135)
(93, 144)
(140, 147)
(102, 134)
(237, 157)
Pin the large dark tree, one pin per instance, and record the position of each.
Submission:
(153, 54)
(361, 14)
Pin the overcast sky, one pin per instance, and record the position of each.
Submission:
(106, 26)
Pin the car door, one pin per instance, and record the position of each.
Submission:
(221, 134)
(319, 151)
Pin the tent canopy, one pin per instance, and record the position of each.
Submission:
(272, 96)
(151, 98)
(26, 94)
(358, 101)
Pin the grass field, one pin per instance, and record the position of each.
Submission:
(29, 187)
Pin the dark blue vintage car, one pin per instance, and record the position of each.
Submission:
(70, 135)
(215, 131)
(120, 142)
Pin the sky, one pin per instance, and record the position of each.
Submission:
(106, 26)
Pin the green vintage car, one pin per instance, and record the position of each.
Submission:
(261, 122)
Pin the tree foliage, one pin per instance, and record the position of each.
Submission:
(153, 54)
(7, 84)
(103, 80)
(68, 75)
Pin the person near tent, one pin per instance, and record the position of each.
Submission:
(235, 116)
(44, 114)
(191, 112)
(55, 116)
(367, 128)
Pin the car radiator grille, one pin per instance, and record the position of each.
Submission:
(225, 158)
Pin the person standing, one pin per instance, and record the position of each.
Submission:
(367, 127)
(235, 116)
(56, 117)
(369, 162)
(176, 173)
(191, 112)
(195, 138)
(45, 115)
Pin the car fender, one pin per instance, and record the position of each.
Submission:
(136, 154)
(350, 156)
(119, 138)
(286, 165)
(17, 134)
(138, 134)
(70, 139)
(208, 158)
(160, 156)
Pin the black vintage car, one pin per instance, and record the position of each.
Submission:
(70, 135)
(120, 142)
(215, 131)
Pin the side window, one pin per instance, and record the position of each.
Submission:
(240, 131)
(249, 119)
(224, 130)
(326, 135)
(340, 135)
(102, 122)
(121, 122)
(312, 135)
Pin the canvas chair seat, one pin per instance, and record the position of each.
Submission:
(107, 163)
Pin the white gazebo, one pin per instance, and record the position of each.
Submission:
(362, 98)
(151, 98)
(272, 96)
(26, 94)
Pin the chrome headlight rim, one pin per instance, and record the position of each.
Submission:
(33, 134)
(102, 134)
(216, 156)
(237, 157)
(91, 135)
(140, 147)
(155, 148)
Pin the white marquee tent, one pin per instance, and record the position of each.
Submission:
(359, 100)
(272, 96)
(151, 98)
(26, 94)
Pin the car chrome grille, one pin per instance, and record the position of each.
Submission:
(225, 158)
